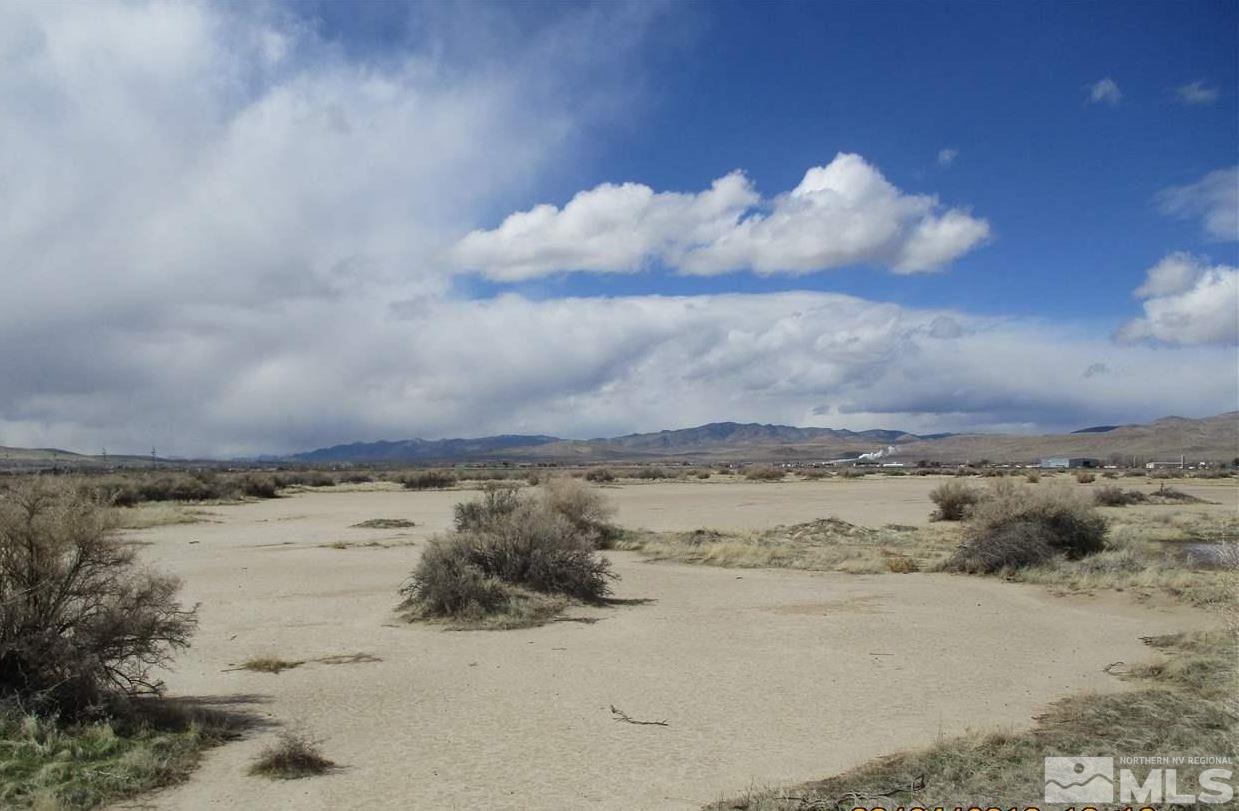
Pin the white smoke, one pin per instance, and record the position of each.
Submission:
(875, 455)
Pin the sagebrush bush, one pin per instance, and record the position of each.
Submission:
(850, 473)
(599, 474)
(954, 500)
(764, 474)
(1033, 476)
(497, 502)
(1084, 477)
(584, 507)
(428, 480)
(1014, 526)
(651, 473)
(80, 621)
(1113, 496)
(508, 548)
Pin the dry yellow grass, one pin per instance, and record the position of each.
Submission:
(828, 544)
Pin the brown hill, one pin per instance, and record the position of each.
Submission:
(1210, 438)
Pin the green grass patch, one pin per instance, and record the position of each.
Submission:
(46, 764)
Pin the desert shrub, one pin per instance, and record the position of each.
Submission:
(599, 474)
(292, 756)
(428, 480)
(496, 504)
(356, 477)
(850, 473)
(651, 473)
(305, 478)
(1113, 496)
(702, 474)
(1016, 526)
(258, 486)
(954, 500)
(764, 474)
(80, 622)
(505, 547)
(1033, 476)
(814, 475)
(584, 507)
(1084, 477)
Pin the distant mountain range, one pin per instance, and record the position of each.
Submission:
(1208, 438)
(714, 439)
(1215, 438)
(417, 450)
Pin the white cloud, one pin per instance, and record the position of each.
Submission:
(1214, 198)
(844, 213)
(244, 381)
(1105, 91)
(946, 157)
(1196, 93)
(1187, 303)
(224, 235)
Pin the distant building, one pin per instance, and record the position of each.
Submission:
(1069, 462)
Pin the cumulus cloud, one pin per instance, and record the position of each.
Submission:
(1196, 93)
(844, 213)
(1214, 198)
(1187, 303)
(1105, 91)
(946, 157)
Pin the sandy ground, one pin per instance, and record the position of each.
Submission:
(762, 676)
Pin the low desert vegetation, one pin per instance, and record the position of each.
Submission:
(828, 544)
(765, 474)
(80, 620)
(269, 664)
(954, 499)
(292, 756)
(514, 560)
(651, 473)
(1084, 477)
(51, 763)
(83, 630)
(385, 523)
(599, 475)
(1179, 704)
(428, 480)
(1015, 526)
(1111, 495)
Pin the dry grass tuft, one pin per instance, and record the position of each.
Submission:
(269, 664)
(828, 544)
(293, 756)
(385, 523)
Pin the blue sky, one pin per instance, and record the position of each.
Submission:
(1069, 187)
(241, 228)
